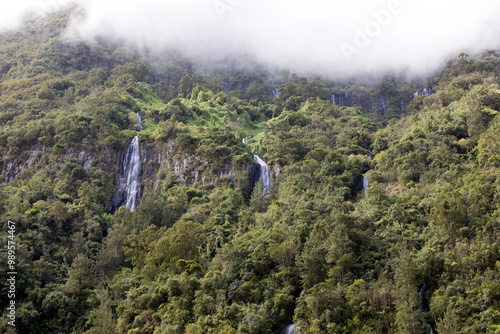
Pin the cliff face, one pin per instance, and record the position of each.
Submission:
(15, 168)
(38, 156)
(378, 103)
(371, 104)
(160, 160)
(367, 102)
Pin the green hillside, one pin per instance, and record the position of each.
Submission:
(206, 250)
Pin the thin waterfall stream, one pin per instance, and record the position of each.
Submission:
(293, 328)
(366, 181)
(289, 329)
(264, 173)
(128, 187)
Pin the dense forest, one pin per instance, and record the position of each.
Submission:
(382, 218)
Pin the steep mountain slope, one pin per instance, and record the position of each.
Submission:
(209, 248)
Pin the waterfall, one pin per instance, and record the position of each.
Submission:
(129, 185)
(424, 92)
(132, 172)
(366, 182)
(340, 100)
(293, 328)
(290, 329)
(264, 172)
(275, 90)
(384, 102)
(140, 120)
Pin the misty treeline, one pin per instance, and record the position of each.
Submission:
(419, 248)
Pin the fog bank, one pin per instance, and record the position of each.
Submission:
(327, 37)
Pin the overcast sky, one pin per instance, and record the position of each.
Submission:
(315, 35)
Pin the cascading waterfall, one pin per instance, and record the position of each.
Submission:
(384, 103)
(340, 100)
(139, 118)
(264, 172)
(293, 328)
(366, 182)
(129, 186)
(275, 90)
(423, 92)
(132, 173)
(290, 329)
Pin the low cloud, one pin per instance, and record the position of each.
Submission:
(327, 37)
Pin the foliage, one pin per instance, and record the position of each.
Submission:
(207, 251)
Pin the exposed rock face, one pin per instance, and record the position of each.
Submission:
(151, 163)
(159, 161)
(15, 167)
(85, 159)
(395, 189)
(369, 103)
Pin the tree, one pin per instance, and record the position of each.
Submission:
(189, 81)
(258, 200)
(104, 321)
(45, 93)
(339, 252)
(180, 242)
(59, 212)
(408, 317)
(111, 255)
(449, 323)
(81, 277)
(284, 253)
(136, 246)
(256, 91)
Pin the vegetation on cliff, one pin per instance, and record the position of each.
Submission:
(419, 248)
